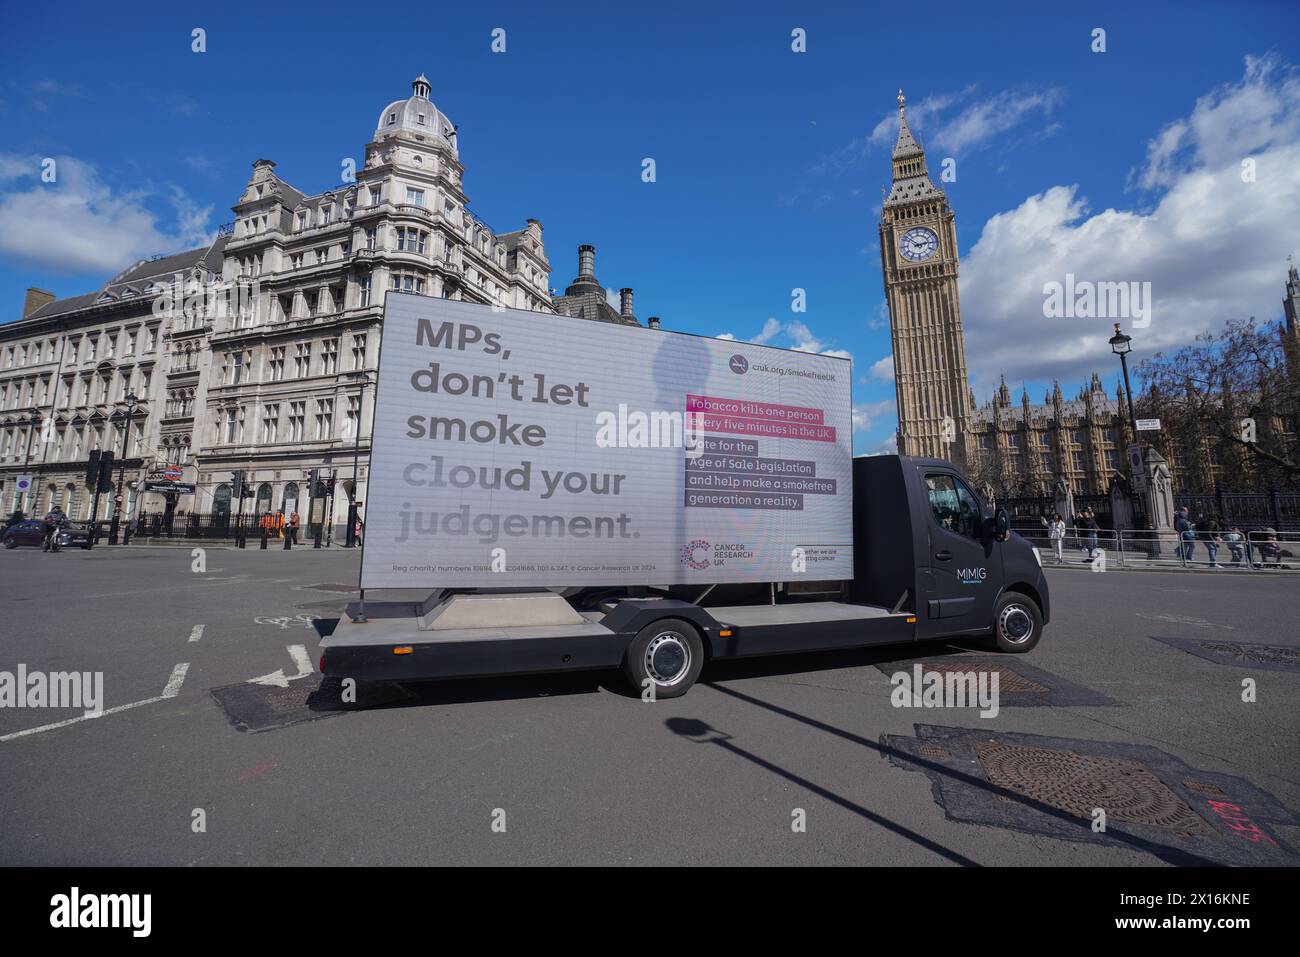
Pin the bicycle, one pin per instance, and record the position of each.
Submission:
(51, 542)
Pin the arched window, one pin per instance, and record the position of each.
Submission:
(221, 500)
(69, 498)
(290, 501)
(263, 498)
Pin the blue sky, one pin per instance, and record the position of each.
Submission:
(1115, 165)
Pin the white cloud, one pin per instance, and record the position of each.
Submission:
(790, 335)
(865, 414)
(975, 123)
(1229, 124)
(771, 329)
(881, 320)
(887, 447)
(882, 370)
(1214, 247)
(80, 224)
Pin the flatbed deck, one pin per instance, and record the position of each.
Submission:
(391, 644)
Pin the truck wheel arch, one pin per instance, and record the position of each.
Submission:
(1029, 591)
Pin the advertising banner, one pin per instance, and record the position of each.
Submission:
(518, 448)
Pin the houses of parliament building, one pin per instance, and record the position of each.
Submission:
(1009, 445)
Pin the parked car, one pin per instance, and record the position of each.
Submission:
(32, 532)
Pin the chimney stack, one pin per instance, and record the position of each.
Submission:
(35, 299)
(625, 303)
(586, 262)
(653, 322)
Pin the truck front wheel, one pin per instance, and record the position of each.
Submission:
(1017, 623)
(667, 654)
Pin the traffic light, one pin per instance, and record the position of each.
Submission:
(92, 469)
(237, 490)
(313, 483)
(106, 471)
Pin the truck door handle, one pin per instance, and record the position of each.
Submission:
(943, 556)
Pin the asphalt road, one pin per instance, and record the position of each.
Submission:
(574, 768)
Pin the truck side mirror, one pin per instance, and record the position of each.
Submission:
(1001, 524)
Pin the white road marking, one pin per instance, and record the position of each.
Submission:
(278, 678)
(176, 680)
(197, 633)
(172, 689)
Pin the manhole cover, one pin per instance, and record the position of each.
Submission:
(1241, 654)
(1009, 682)
(1154, 802)
(1269, 654)
(1078, 783)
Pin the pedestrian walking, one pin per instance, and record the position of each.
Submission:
(357, 529)
(1207, 530)
(1090, 529)
(294, 521)
(1186, 535)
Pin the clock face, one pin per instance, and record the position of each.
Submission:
(919, 243)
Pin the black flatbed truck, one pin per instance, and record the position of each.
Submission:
(931, 561)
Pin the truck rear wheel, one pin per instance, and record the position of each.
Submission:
(1017, 623)
(669, 653)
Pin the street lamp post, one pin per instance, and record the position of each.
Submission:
(356, 457)
(32, 425)
(130, 401)
(1121, 345)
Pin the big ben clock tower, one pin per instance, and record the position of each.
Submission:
(918, 256)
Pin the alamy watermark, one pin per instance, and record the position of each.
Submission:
(54, 689)
(946, 689)
(1085, 299)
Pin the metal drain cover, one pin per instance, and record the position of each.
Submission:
(1154, 802)
(1240, 654)
(1078, 783)
(1009, 682)
(1269, 654)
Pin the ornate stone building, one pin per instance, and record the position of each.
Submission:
(918, 255)
(258, 351)
(1022, 449)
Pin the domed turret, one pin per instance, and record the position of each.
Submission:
(417, 115)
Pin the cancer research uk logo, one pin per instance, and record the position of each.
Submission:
(688, 554)
(739, 364)
(700, 554)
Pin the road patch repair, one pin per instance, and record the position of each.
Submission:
(277, 700)
(1020, 685)
(1243, 654)
(1056, 787)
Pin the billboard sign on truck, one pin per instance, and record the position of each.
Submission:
(515, 448)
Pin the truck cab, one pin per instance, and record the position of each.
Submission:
(969, 573)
